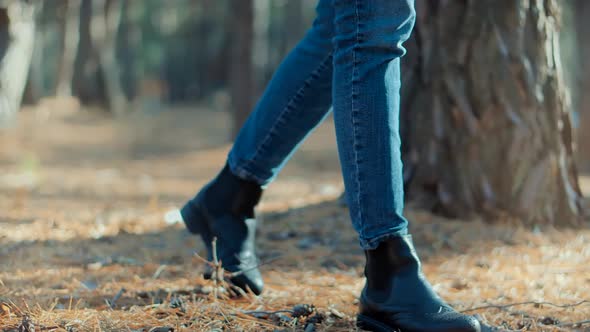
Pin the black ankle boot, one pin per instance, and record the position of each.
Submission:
(224, 209)
(397, 296)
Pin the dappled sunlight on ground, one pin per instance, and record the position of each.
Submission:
(82, 202)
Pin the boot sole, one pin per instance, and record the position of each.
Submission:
(199, 223)
(369, 324)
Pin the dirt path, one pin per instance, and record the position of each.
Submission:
(82, 201)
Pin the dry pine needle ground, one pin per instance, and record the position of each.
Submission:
(84, 245)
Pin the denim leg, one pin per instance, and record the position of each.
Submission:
(296, 100)
(367, 48)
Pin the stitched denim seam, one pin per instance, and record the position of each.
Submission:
(353, 99)
(373, 243)
(243, 173)
(288, 108)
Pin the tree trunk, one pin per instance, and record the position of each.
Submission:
(35, 86)
(130, 46)
(104, 26)
(261, 59)
(71, 39)
(486, 122)
(294, 23)
(242, 79)
(582, 26)
(87, 81)
(17, 34)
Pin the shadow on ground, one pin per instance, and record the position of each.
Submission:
(83, 218)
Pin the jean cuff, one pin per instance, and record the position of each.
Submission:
(373, 242)
(244, 173)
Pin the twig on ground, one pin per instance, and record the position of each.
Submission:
(580, 323)
(218, 272)
(238, 273)
(248, 318)
(222, 313)
(299, 310)
(159, 271)
(113, 303)
(15, 308)
(203, 260)
(238, 291)
(505, 306)
(49, 328)
(215, 265)
(259, 313)
(235, 274)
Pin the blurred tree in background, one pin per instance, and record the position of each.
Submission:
(241, 79)
(487, 115)
(179, 51)
(17, 26)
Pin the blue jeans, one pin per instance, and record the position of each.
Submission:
(350, 60)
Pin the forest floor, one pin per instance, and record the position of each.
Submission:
(84, 245)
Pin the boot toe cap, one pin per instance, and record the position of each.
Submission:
(253, 283)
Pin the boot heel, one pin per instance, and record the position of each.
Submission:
(194, 219)
(365, 323)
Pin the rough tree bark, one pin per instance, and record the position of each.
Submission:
(242, 80)
(582, 26)
(486, 120)
(17, 33)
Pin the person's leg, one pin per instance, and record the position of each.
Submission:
(297, 99)
(367, 49)
(369, 34)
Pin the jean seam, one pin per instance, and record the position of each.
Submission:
(286, 110)
(352, 114)
(369, 244)
(244, 173)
